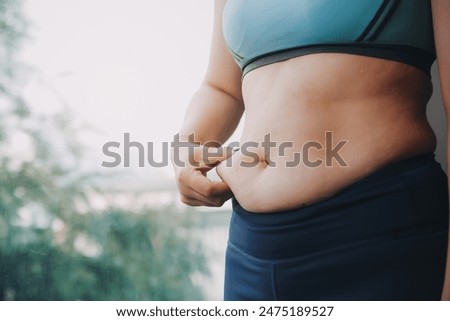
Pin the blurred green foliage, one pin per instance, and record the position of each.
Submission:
(54, 244)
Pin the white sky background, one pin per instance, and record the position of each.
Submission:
(122, 66)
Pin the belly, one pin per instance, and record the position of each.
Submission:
(317, 123)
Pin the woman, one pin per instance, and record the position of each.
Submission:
(336, 193)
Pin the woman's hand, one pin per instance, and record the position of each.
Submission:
(191, 164)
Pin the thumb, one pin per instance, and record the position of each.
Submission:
(214, 155)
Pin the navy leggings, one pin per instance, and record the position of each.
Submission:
(381, 238)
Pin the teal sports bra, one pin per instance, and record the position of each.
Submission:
(261, 32)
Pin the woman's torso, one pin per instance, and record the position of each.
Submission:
(376, 106)
(354, 114)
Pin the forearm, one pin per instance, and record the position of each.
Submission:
(212, 116)
(441, 26)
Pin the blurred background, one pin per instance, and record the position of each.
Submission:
(75, 75)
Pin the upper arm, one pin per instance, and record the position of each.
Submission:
(223, 73)
(441, 24)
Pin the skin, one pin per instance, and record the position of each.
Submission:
(441, 22)
(377, 106)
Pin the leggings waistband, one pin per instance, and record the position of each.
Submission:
(406, 197)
